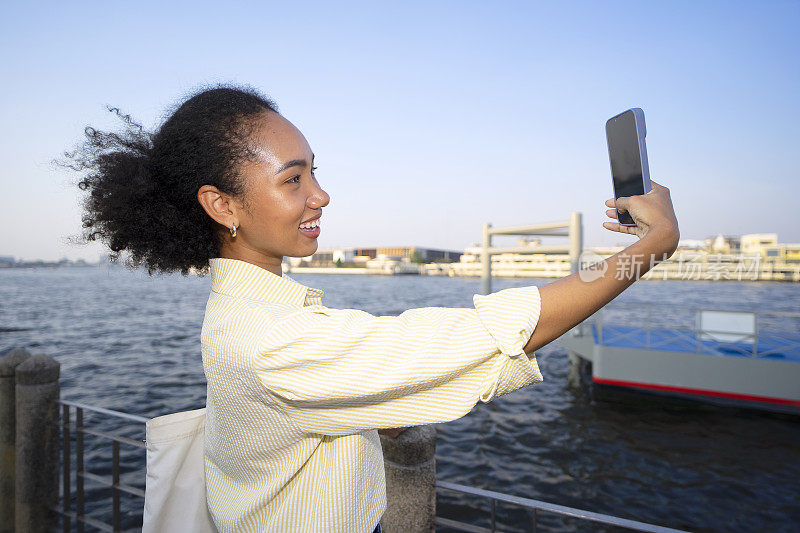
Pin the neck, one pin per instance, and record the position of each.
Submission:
(273, 264)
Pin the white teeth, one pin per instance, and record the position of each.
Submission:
(310, 225)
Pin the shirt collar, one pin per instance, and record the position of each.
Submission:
(239, 278)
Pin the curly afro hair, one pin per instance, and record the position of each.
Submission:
(142, 187)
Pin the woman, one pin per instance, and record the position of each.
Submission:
(296, 390)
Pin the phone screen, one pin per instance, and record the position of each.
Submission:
(626, 161)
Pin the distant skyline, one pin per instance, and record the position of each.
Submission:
(427, 119)
(103, 255)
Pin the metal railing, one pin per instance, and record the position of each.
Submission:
(78, 430)
(675, 323)
(536, 506)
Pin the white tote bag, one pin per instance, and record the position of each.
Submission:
(175, 487)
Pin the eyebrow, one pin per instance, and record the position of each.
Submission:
(294, 163)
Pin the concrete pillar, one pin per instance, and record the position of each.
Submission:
(8, 432)
(410, 465)
(580, 370)
(575, 241)
(36, 483)
(574, 372)
(486, 261)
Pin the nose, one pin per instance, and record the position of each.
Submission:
(318, 198)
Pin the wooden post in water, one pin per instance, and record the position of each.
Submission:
(8, 432)
(36, 483)
(410, 467)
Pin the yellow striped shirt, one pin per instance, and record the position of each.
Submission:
(296, 391)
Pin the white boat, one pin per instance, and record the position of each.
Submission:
(726, 357)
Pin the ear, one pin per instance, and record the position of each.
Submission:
(220, 206)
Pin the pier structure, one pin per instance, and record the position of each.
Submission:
(572, 228)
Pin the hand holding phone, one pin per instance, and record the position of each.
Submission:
(641, 206)
(652, 211)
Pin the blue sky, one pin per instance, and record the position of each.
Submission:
(427, 119)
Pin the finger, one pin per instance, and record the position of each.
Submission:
(662, 189)
(657, 186)
(610, 202)
(616, 226)
(622, 203)
(630, 230)
(612, 213)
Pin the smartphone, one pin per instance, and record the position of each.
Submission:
(628, 154)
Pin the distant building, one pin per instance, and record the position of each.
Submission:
(6, 261)
(371, 253)
(363, 255)
(789, 253)
(754, 243)
(424, 255)
(723, 244)
(691, 244)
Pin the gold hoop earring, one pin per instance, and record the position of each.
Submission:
(233, 231)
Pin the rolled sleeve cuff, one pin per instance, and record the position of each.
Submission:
(510, 316)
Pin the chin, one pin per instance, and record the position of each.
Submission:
(304, 253)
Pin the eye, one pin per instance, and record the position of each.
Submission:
(313, 169)
(292, 179)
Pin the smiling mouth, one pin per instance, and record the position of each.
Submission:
(310, 226)
(310, 229)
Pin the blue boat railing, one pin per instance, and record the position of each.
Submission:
(73, 483)
(665, 327)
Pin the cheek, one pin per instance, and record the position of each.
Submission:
(273, 211)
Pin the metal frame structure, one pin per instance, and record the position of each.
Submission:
(78, 430)
(572, 228)
(117, 487)
(536, 506)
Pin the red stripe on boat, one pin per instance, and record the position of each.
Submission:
(685, 390)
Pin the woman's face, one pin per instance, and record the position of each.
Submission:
(281, 193)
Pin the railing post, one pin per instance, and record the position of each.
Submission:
(600, 326)
(755, 337)
(8, 431)
(697, 331)
(66, 478)
(486, 261)
(36, 483)
(575, 242)
(115, 516)
(410, 467)
(79, 467)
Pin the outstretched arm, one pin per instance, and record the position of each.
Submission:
(567, 302)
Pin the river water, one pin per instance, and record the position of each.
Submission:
(130, 342)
